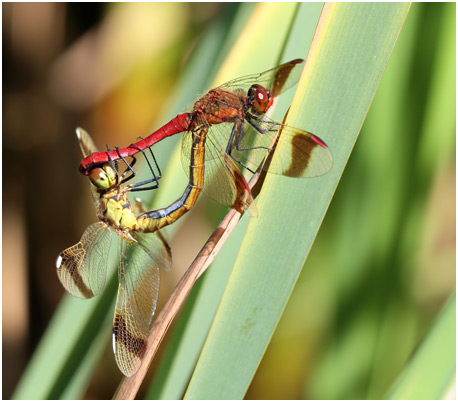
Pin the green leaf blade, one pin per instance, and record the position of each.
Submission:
(431, 372)
(342, 73)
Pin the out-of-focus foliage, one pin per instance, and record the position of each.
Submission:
(114, 70)
(382, 265)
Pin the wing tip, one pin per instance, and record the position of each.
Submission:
(79, 132)
(59, 261)
(319, 141)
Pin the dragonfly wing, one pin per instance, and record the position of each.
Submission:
(223, 180)
(277, 79)
(82, 268)
(87, 147)
(86, 143)
(298, 153)
(141, 256)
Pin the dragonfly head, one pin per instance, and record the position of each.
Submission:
(260, 99)
(103, 177)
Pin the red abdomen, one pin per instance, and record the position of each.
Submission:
(177, 125)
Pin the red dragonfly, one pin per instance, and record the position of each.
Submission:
(232, 117)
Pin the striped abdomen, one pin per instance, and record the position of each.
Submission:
(154, 220)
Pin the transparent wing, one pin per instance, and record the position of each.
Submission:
(82, 268)
(223, 180)
(141, 256)
(277, 79)
(87, 147)
(298, 153)
(86, 143)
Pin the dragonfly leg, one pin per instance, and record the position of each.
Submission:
(154, 179)
(129, 167)
(236, 132)
(238, 126)
(114, 164)
(159, 175)
(140, 186)
(257, 128)
(252, 119)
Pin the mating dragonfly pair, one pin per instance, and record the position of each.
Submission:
(226, 130)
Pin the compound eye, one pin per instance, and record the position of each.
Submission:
(261, 99)
(102, 178)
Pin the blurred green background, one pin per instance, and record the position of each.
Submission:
(383, 263)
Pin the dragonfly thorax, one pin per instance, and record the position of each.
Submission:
(116, 211)
(219, 106)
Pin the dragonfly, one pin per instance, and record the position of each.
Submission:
(228, 131)
(82, 268)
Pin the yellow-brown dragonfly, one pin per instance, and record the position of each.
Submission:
(82, 268)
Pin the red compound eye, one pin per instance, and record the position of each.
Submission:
(261, 99)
